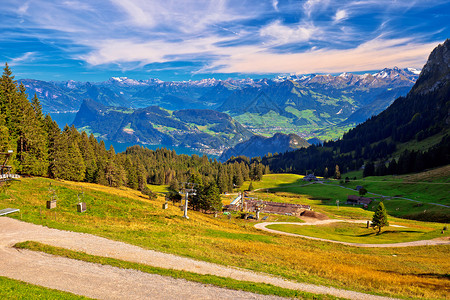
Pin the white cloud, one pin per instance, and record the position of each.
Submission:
(275, 4)
(311, 5)
(23, 8)
(24, 58)
(281, 34)
(341, 15)
(139, 13)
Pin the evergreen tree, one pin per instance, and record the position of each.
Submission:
(37, 107)
(362, 191)
(222, 179)
(4, 135)
(250, 186)
(87, 151)
(380, 218)
(369, 170)
(132, 180)
(213, 200)
(141, 175)
(68, 162)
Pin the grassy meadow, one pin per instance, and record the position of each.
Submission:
(15, 289)
(126, 215)
(359, 233)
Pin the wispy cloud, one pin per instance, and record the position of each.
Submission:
(24, 58)
(224, 35)
(372, 55)
(275, 4)
(341, 15)
(311, 5)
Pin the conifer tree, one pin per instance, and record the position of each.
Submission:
(132, 181)
(87, 151)
(380, 218)
(4, 135)
(141, 175)
(213, 200)
(222, 180)
(37, 107)
(238, 179)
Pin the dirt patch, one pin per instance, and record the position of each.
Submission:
(314, 215)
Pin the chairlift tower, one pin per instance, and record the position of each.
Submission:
(187, 190)
(5, 169)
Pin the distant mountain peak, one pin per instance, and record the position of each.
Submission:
(436, 72)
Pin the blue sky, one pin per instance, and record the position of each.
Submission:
(183, 40)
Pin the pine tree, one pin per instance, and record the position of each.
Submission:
(68, 161)
(213, 200)
(132, 180)
(37, 107)
(380, 218)
(250, 186)
(362, 191)
(222, 180)
(369, 170)
(87, 151)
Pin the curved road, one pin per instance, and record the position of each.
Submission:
(106, 282)
(262, 226)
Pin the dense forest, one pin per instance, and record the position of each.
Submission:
(41, 148)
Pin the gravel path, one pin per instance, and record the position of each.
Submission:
(105, 282)
(262, 226)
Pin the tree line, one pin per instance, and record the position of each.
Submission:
(41, 148)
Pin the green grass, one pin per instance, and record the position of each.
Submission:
(435, 192)
(162, 189)
(274, 180)
(15, 289)
(359, 233)
(259, 288)
(323, 197)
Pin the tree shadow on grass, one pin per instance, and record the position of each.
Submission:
(389, 231)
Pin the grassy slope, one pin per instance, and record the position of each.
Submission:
(125, 215)
(15, 289)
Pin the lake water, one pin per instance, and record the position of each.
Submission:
(67, 118)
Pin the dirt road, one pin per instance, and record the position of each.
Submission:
(103, 282)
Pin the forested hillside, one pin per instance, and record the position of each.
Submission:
(42, 149)
(205, 130)
(422, 118)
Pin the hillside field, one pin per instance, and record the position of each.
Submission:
(127, 215)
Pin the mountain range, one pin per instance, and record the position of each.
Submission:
(156, 112)
(300, 104)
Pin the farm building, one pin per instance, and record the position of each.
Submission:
(310, 177)
(276, 207)
(353, 199)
